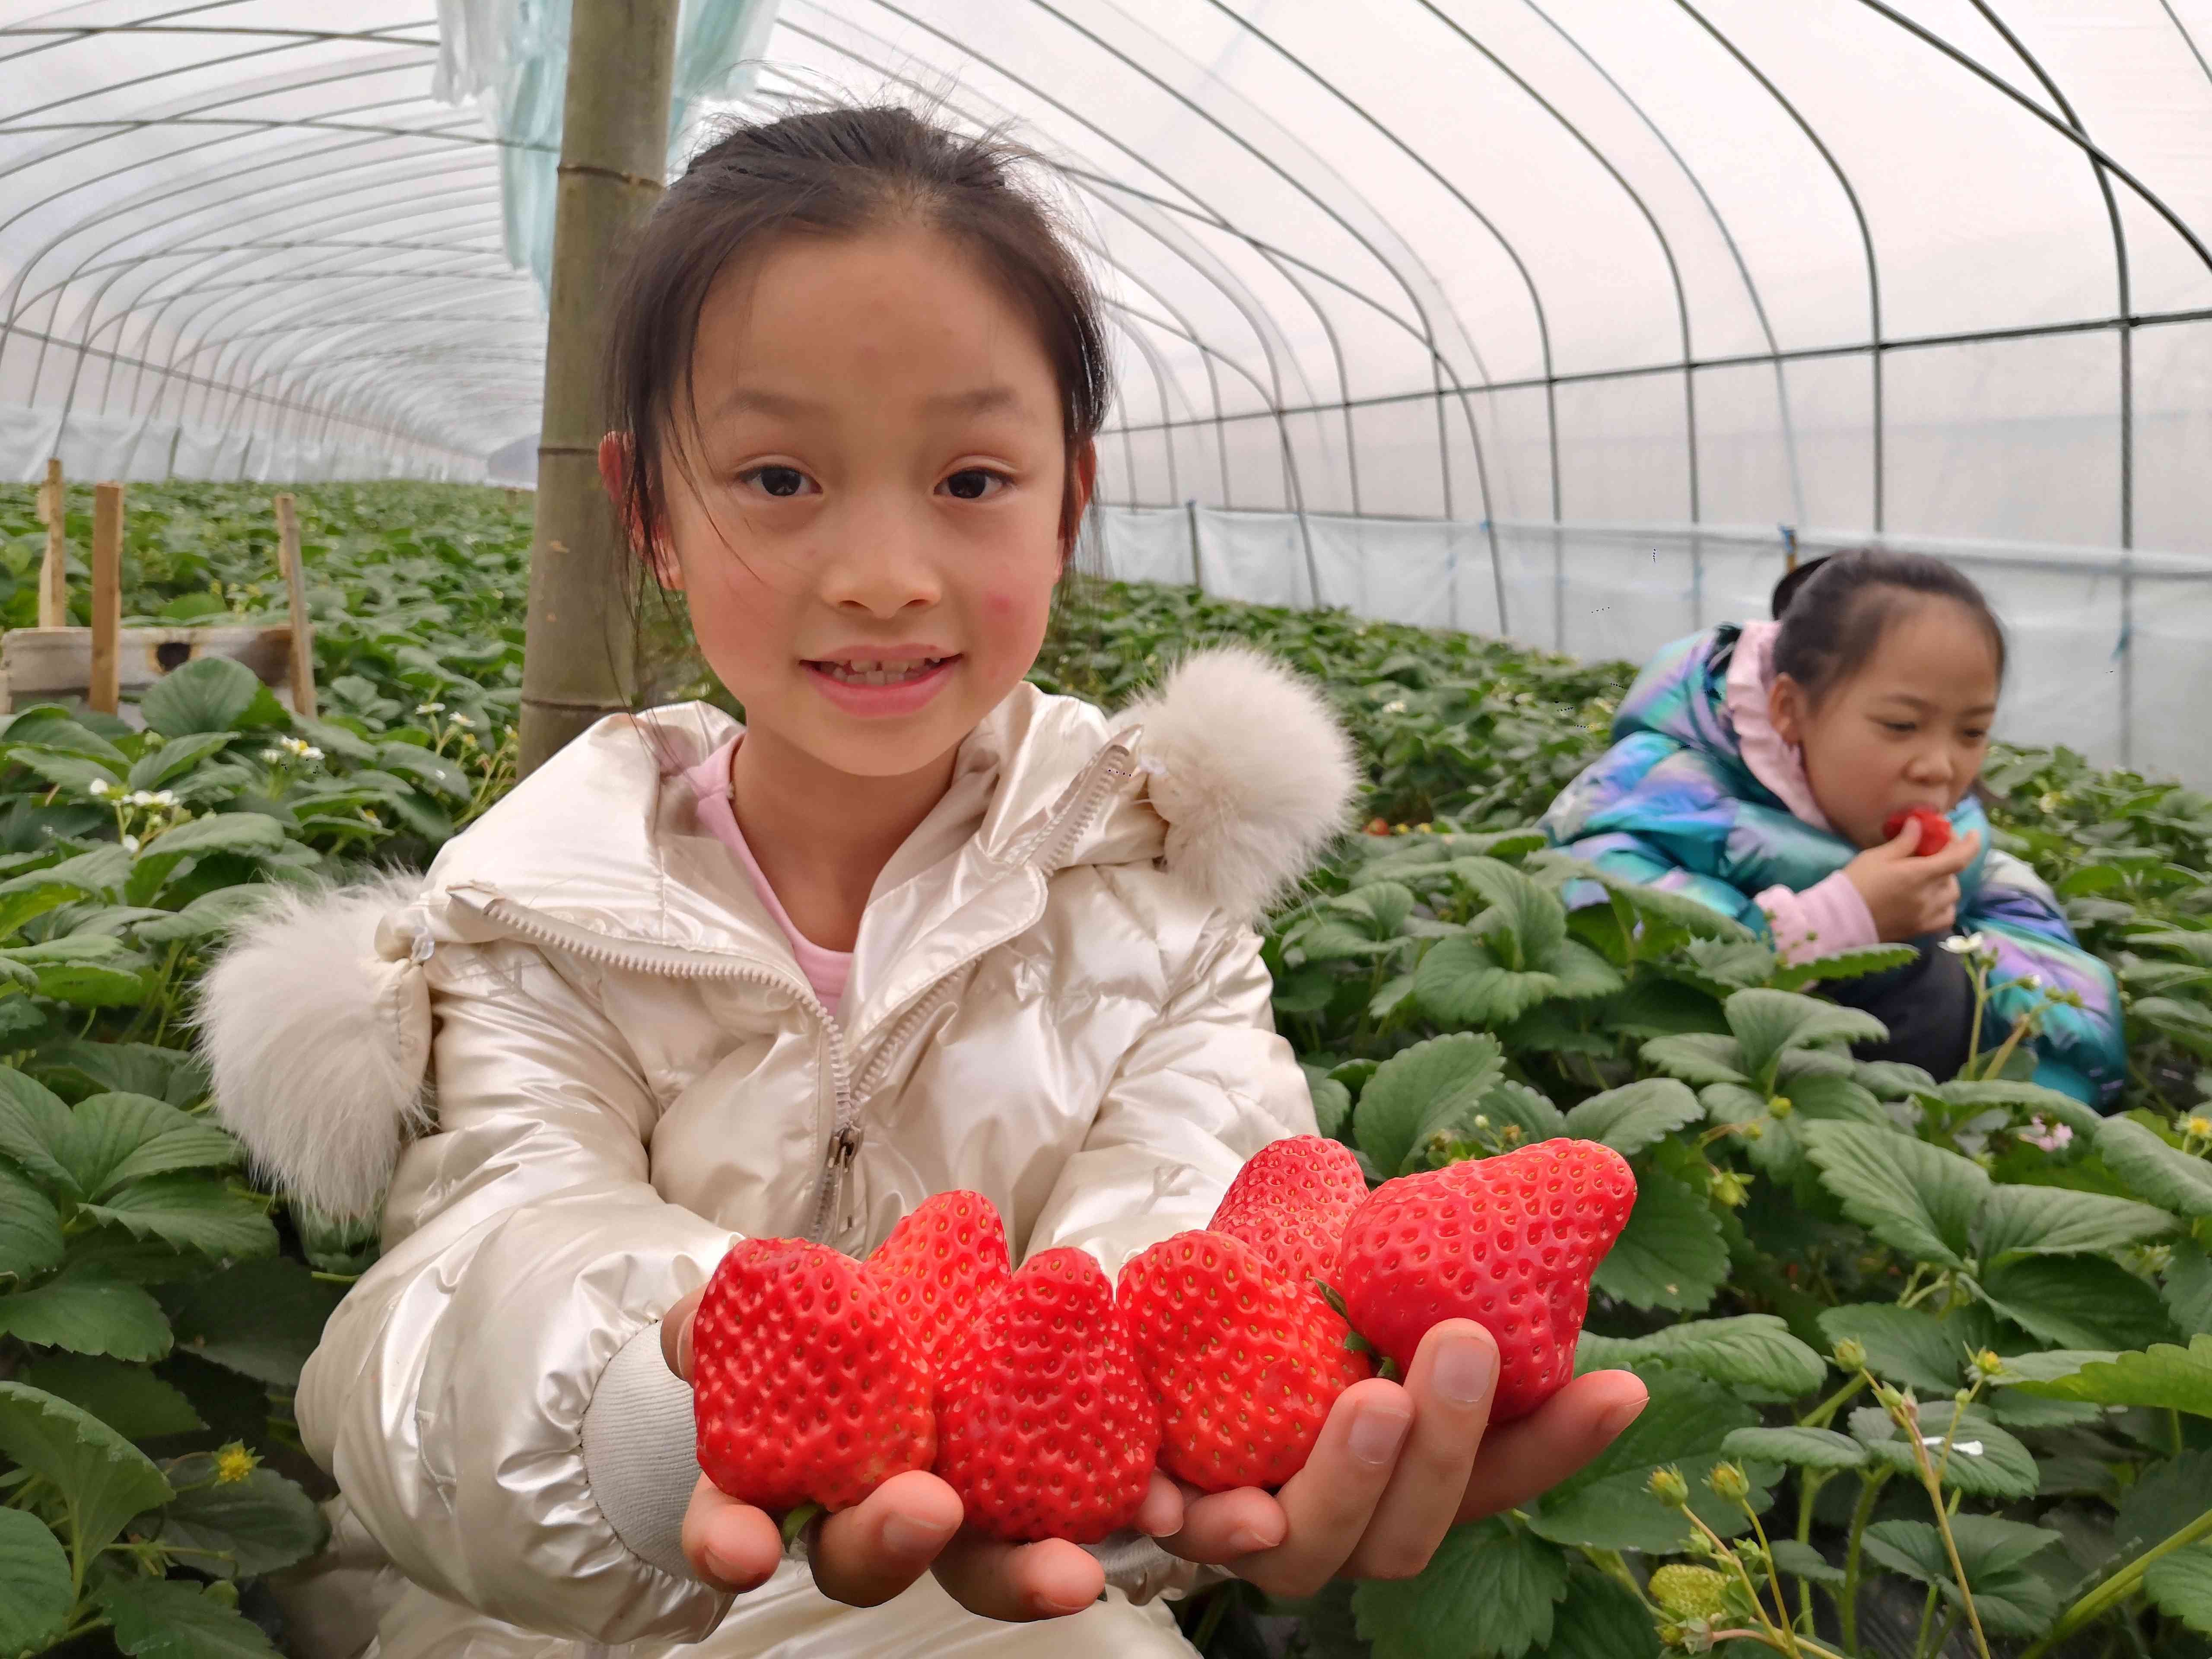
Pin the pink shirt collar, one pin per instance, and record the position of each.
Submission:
(1774, 762)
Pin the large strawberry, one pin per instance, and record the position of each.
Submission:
(1246, 1363)
(1935, 829)
(942, 1262)
(1509, 1242)
(807, 1386)
(1291, 1203)
(1044, 1425)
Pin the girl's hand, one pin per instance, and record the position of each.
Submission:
(1909, 896)
(1397, 1467)
(905, 1528)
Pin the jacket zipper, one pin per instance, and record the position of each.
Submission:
(1109, 768)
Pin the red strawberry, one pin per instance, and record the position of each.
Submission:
(1291, 1203)
(1246, 1363)
(942, 1262)
(1044, 1425)
(1509, 1241)
(807, 1386)
(1935, 829)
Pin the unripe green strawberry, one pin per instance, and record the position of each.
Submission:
(1045, 1427)
(1290, 1202)
(807, 1386)
(942, 1262)
(1246, 1365)
(1509, 1242)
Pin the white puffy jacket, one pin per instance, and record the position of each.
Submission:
(583, 1059)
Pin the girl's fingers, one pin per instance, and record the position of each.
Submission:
(1161, 1514)
(1018, 1582)
(731, 1546)
(870, 1553)
(1520, 1459)
(676, 1334)
(1220, 1528)
(1453, 1380)
(1327, 1504)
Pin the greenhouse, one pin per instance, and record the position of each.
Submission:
(1527, 975)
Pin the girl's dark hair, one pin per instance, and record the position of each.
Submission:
(1834, 610)
(837, 173)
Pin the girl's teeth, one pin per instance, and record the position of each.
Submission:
(874, 673)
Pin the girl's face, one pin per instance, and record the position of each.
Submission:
(870, 532)
(1910, 728)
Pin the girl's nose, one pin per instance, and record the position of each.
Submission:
(881, 565)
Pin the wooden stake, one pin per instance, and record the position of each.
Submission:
(295, 587)
(53, 575)
(106, 593)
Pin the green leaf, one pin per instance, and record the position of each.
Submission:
(1768, 1023)
(86, 1312)
(242, 1529)
(130, 1399)
(2052, 1221)
(2011, 1599)
(1606, 1503)
(2181, 1586)
(1748, 1352)
(207, 695)
(190, 1212)
(1697, 1057)
(261, 1319)
(1419, 1088)
(209, 914)
(167, 1618)
(2164, 1499)
(1487, 1592)
(122, 1138)
(1985, 1460)
(1914, 1197)
(2165, 1376)
(73, 772)
(1535, 919)
(1855, 964)
(20, 905)
(36, 1593)
(1458, 983)
(219, 832)
(173, 1075)
(35, 1129)
(1521, 1107)
(1332, 1100)
(2078, 1302)
(443, 776)
(156, 767)
(1903, 1345)
(1800, 1448)
(1797, 1560)
(2188, 1290)
(101, 872)
(2152, 1169)
(30, 1227)
(1670, 1255)
(1630, 1119)
(1600, 1618)
(106, 1478)
(1581, 973)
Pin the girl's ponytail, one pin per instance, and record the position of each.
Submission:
(1834, 612)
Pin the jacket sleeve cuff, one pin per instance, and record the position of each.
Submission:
(1138, 1567)
(1827, 917)
(640, 1451)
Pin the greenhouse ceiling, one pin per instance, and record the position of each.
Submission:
(1938, 268)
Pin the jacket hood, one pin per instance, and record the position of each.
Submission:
(1233, 777)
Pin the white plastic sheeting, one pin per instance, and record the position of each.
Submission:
(2079, 674)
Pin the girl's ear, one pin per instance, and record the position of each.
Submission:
(1785, 709)
(616, 453)
(1075, 500)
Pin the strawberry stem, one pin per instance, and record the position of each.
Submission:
(798, 1522)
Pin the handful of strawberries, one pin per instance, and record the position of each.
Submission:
(1046, 1397)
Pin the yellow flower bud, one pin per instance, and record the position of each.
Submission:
(1850, 1355)
(1729, 1483)
(1668, 1485)
(233, 1463)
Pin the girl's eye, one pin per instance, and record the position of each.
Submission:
(1903, 728)
(973, 484)
(780, 482)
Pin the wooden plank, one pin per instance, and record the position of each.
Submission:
(53, 571)
(106, 594)
(295, 588)
(43, 662)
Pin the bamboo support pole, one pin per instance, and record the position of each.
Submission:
(53, 573)
(295, 589)
(577, 654)
(106, 594)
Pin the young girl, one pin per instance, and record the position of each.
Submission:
(915, 926)
(1755, 767)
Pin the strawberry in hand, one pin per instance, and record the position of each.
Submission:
(944, 1261)
(1290, 1202)
(1935, 829)
(1509, 1242)
(1045, 1427)
(807, 1389)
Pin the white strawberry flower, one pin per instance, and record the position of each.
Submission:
(131, 843)
(100, 789)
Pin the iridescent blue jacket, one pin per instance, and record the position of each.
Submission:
(1672, 804)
